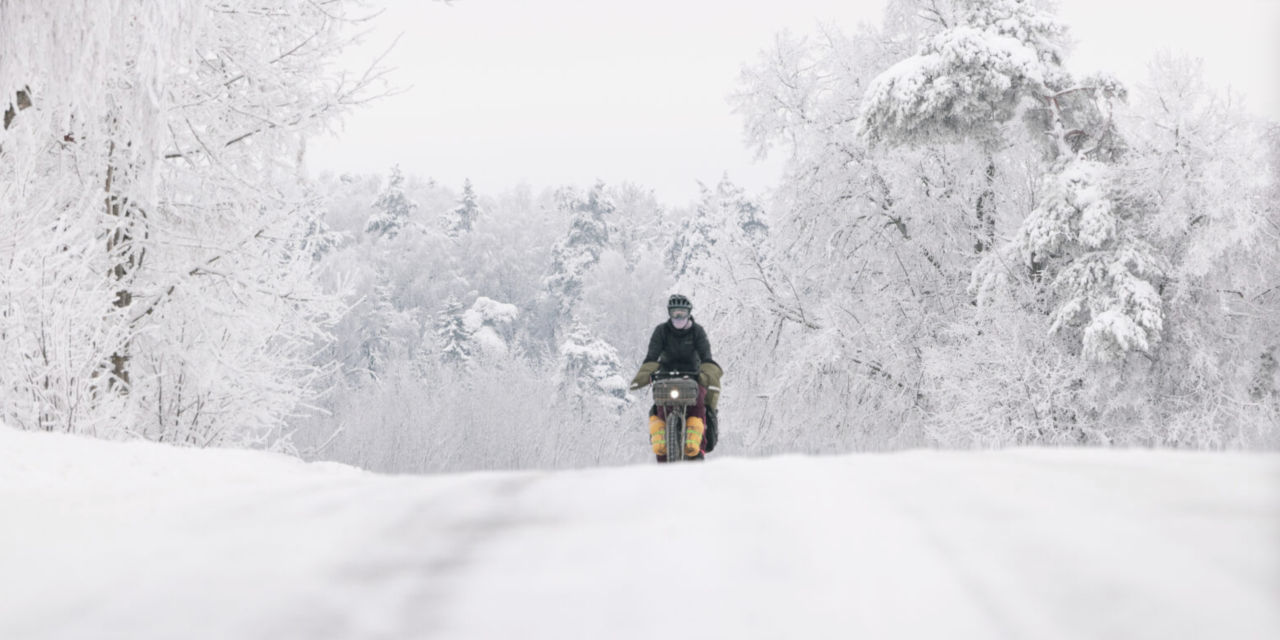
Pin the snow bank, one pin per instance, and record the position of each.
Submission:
(35, 459)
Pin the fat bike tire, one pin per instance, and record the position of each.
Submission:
(675, 436)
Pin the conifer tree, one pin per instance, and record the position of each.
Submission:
(461, 219)
(375, 348)
(391, 209)
(452, 334)
(746, 214)
(318, 238)
(587, 239)
(692, 244)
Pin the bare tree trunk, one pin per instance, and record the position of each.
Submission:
(986, 209)
(120, 247)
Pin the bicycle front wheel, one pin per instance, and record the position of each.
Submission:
(675, 435)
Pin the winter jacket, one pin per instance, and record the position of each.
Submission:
(679, 349)
(672, 349)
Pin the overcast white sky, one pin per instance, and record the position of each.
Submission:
(559, 92)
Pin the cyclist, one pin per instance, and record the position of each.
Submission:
(680, 344)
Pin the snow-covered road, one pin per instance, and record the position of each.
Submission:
(104, 540)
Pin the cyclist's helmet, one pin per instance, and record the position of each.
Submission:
(678, 301)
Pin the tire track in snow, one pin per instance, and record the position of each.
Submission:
(420, 554)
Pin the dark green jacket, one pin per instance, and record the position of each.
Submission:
(679, 349)
(672, 349)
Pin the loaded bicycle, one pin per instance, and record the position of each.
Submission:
(673, 393)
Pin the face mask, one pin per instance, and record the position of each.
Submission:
(680, 323)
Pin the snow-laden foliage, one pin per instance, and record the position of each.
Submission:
(866, 253)
(1197, 166)
(970, 77)
(1043, 190)
(506, 412)
(719, 214)
(588, 236)
(744, 212)
(968, 247)
(485, 328)
(463, 217)
(590, 369)
(969, 80)
(159, 282)
(1123, 276)
(488, 324)
(1002, 378)
(466, 332)
(392, 209)
(621, 304)
(452, 334)
(692, 244)
(1106, 283)
(317, 237)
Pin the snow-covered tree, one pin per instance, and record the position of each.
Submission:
(1108, 271)
(159, 146)
(377, 345)
(462, 218)
(997, 60)
(452, 333)
(1198, 164)
(488, 325)
(483, 329)
(589, 368)
(391, 209)
(695, 239)
(640, 222)
(744, 212)
(866, 253)
(581, 249)
(319, 240)
(970, 77)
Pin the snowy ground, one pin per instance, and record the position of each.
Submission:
(105, 540)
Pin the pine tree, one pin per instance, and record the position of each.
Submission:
(745, 213)
(588, 238)
(693, 242)
(452, 333)
(461, 219)
(1102, 269)
(968, 78)
(318, 238)
(725, 216)
(375, 347)
(391, 209)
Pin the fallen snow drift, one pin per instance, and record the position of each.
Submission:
(107, 540)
